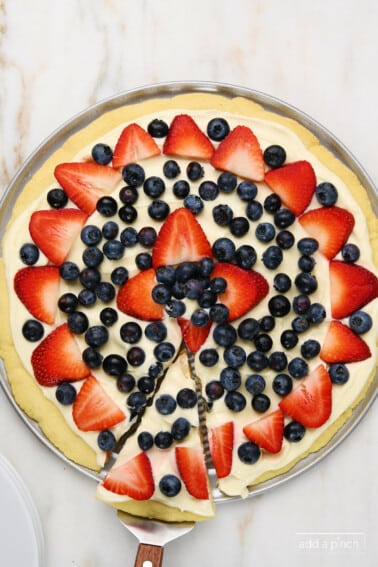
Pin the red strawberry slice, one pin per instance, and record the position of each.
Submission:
(294, 183)
(245, 288)
(180, 239)
(352, 287)
(193, 336)
(133, 479)
(341, 344)
(134, 144)
(185, 139)
(330, 226)
(94, 409)
(58, 358)
(55, 231)
(192, 469)
(135, 299)
(86, 182)
(267, 431)
(240, 153)
(38, 289)
(221, 442)
(311, 402)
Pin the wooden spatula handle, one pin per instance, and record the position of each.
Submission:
(149, 555)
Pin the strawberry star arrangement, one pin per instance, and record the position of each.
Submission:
(189, 283)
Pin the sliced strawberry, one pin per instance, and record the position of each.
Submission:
(267, 431)
(134, 144)
(294, 183)
(58, 358)
(240, 153)
(192, 468)
(133, 479)
(86, 182)
(38, 289)
(193, 336)
(94, 409)
(180, 239)
(221, 441)
(135, 299)
(55, 231)
(330, 226)
(352, 287)
(185, 139)
(310, 403)
(341, 344)
(245, 288)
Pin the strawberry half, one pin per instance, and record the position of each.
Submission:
(294, 183)
(311, 402)
(192, 469)
(352, 287)
(55, 231)
(193, 336)
(186, 139)
(133, 479)
(180, 239)
(267, 431)
(240, 153)
(94, 409)
(330, 226)
(245, 288)
(135, 299)
(58, 358)
(134, 144)
(86, 182)
(221, 442)
(341, 344)
(38, 289)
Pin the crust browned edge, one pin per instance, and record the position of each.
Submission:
(25, 390)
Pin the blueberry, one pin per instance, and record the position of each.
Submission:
(92, 256)
(307, 245)
(310, 349)
(165, 404)
(294, 431)
(227, 182)
(164, 351)
(316, 313)
(245, 256)
(155, 370)
(224, 335)
(267, 323)
(260, 403)
(128, 195)
(187, 398)
(223, 249)
(257, 361)
(96, 336)
(306, 283)
(181, 189)
(288, 339)
(157, 128)
(78, 322)
(133, 174)
(69, 271)
(246, 190)
(235, 401)
(128, 214)
(102, 153)
(248, 329)
(297, 367)
(194, 171)
(130, 332)
(185, 271)
(87, 297)
(282, 384)
(32, 330)
(199, 318)
(68, 302)
(282, 282)
(175, 308)
(29, 254)
(65, 393)
(154, 186)
(222, 215)
(279, 306)
(119, 275)
(217, 129)
(129, 237)
(283, 218)
(255, 384)
(219, 313)
(158, 210)
(156, 331)
(161, 294)
(326, 194)
(249, 453)
(300, 324)
(163, 440)
(194, 288)
(136, 402)
(147, 236)
(272, 203)
(171, 169)
(277, 361)
(285, 239)
(350, 253)
(230, 379)
(265, 232)
(234, 356)
(360, 322)
(301, 304)
(106, 440)
(206, 267)
(170, 485)
(209, 357)
(306, 263)
(143, 261)
(107, 206)
(57, 198)
(113, 249)
(338, 373)
(136, 356)
(108, 316)
(180, 428)
(214, 390)
(263, 342)
(166, 275)
(105, 292)
(92, 357)
(125, 383)
(218, 284)
(146, 384)
(178, 290)
(193, 203)
(208, 190)
(110, 230)
(145, 440)
(254, 210)
(274, 156)
(239, 226)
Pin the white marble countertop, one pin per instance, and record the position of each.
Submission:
(56, 58)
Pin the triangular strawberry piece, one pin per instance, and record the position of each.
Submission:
(38, 289)
(93, 408)
(240, 153)
(294, 183)
(135, 297)
(55, 231)
(221, 442)
(133, 145)
(267, 432)
(191, 465)
(185, 139)
(341, 344)
(180, 239)
(330, 226)
(58, 358)
(193, 335)
(310, 403)
(86, 182)
(245, 288)
(352, 287)
(133, 478)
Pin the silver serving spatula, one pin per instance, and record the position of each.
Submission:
(152, 536)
